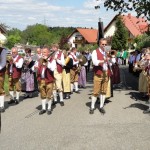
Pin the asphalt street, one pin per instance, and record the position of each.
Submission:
(71, 127)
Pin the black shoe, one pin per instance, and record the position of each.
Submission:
(16, 102)
(62, 103)
(2, 110)
(11, 101)
(49, 111)
(77, 92)
(102, 110)
(91, 111)
(42, 112)
(146, 111)
(26, 96)
(54, 103)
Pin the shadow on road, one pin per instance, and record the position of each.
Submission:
(137, 105)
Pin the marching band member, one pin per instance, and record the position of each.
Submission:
(45, 76)
(14, 73)
(148, 78)
(59, 59)
(74, 70)
(28, 74)
(2, 76)
(101, 75)
(66, 75)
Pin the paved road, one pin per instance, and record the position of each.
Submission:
(123, 127)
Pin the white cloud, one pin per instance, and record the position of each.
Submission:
(20, 13)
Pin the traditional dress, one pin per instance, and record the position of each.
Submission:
(66, 77)
(115, 78)
(14, 74)
(28, 76)
(2, 76)
(82, 77)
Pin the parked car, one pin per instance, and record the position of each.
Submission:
(21, 51)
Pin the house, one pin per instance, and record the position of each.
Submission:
(135, 26)
(3, 38)
(82, 36)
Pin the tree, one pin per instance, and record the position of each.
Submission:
(36, 35)
(13, 37)
(120, 38)
(141, 7)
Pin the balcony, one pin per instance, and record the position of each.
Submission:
(79, 41)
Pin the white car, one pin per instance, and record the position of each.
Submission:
(21, 51)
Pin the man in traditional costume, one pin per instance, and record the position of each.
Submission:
(101, 75)
(2, 77)
(45, 76)
(14, 74)
(74, 71)
(59, 63)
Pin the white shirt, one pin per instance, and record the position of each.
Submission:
(19, 63)
(96, 61)
(60, 61)
(72, 55)
(3, 59)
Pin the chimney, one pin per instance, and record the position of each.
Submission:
(129, 15)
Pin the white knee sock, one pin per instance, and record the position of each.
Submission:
(55, 95)
(93, 102)
(11, 94)
(76, 86)
(2, 101)
(102, 100)
(49, 104)
(61, 96)
(44, 104)
(72, 86)
(17, 95)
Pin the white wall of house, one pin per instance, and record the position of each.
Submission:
(110, 30)
(72, 38)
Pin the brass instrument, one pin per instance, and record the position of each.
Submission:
(82, 59)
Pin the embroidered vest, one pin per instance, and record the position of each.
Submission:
(59, 67)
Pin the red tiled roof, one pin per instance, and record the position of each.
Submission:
(137, 26)
(89, 34)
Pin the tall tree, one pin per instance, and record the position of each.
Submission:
(120, 38)
(141, 7)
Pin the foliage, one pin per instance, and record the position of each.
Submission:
(120, 38)
(142, 41)
(13, 37)
(141, 7)
(89, 47)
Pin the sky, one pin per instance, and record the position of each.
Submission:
(65, 13)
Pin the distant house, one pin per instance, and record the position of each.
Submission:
(135, 26)
(82, 36)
